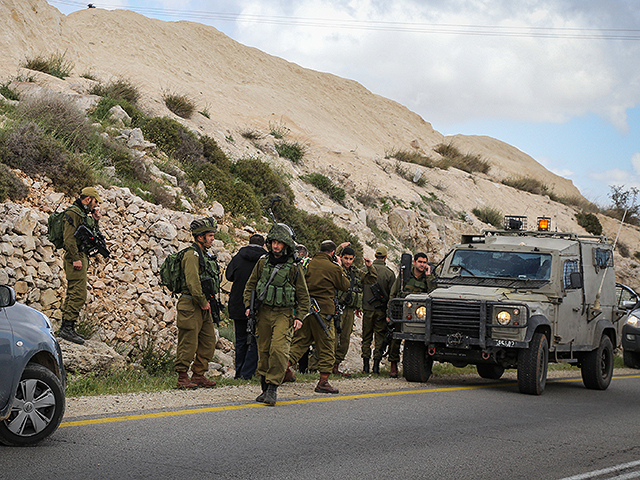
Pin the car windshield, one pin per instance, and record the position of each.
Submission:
(511, 265)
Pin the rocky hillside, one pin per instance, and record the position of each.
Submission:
(348, 133)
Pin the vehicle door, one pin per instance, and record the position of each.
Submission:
(570, 311)
(6, 356)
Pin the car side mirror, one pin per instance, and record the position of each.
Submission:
(628, 304)
(575, 280)
(7, 296)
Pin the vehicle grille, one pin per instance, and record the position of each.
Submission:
(396, 309)
(449, 317)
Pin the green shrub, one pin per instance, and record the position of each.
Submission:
(489, 215)
(251, 134)
(120, 89)
(235, 196)
(214, 154)
(466, 162)
(262, 178)
(294, 151)
(7, 92)
(410, 157)
(56, 64)
(164, 132)
(58, 117)
(27, 147)
(10, 185)
(101, 112)
(589, 222)
(325, 184)
(527, 184)
(181, 105)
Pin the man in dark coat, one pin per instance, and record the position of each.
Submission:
(238, 272)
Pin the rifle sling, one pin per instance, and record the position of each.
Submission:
(263, 293)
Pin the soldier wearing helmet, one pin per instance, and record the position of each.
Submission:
(196, 333)
(279, 284)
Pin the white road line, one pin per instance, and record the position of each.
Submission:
(604, 471)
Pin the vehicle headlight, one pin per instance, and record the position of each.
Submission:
(633, 321)
(503, 317)
(421, 312)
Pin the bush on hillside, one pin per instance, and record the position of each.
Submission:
(589, 222)
(11, 186)
(324, 184)
(236, 197)
(164, 132)
(55, 64)
(101, 112)
(262, 178)
(181, 105)
(527, 184)
(469, 163)
(410, 157)
(58, 117)
(214, 154)
(7, 92)
(489, 215)
(294, 151)
(119, 90)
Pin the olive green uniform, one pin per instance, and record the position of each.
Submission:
(196, 333)
(285, 299)
(324, 277)
(76, 295)
(352, 301)
(374, 318)
(423, 284)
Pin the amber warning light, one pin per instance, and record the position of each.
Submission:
(544, 224)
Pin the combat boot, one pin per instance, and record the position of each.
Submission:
(271, 395)
(324, 386)
(336, 371)
(376, 367)
(289, 376)
(393, 370)
(202, 381)
(263, 384)
(365, 365)
(68, 332)
(184, 382)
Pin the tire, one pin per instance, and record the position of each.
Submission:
(597, 366)
(492, 372)
(532, 365)
(631, 359)
(37, 410)
(416, 365)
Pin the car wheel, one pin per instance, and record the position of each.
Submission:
(597, 365)
(416, 365)
(631, 359)
(37, 408)
(532, 365)
(492, 372)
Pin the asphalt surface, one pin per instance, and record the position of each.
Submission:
(471, 430)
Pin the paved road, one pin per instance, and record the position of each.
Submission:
(439, 432)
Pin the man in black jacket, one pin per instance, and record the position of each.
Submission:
(238, 272)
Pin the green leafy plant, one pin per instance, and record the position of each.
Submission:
(56, 64)
(7, 92)
(489, 215)
(181, 105)
(294, 151)
(325, 184)
(589, 222)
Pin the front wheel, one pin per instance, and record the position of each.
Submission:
(416, 365)
(532, 365)
(37, 408)
(597, 366)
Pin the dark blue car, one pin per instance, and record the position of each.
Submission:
(32, 377)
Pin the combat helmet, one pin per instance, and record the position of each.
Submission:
(283, 233)
(203, 225)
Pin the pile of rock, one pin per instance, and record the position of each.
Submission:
(126, 303)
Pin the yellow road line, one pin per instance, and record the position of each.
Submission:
(190, 411)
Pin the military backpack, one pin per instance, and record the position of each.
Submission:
(55, 225)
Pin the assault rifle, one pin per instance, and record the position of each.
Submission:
(315, 311)
(90, 242)
(337, 317)
(254, 305)
(210, 293)
(388, 335)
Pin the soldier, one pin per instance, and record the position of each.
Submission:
(324, 277)
(420, 281)
(196, 333)
(351, 300)
(374, 318)
(83, 211)
(279, 283)
(238, 272)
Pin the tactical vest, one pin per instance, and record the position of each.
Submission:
(208, 269)
(424, 285)
(281, 292)
(355, 299)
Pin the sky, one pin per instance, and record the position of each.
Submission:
(558, 79)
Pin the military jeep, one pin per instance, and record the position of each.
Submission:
(519, 299)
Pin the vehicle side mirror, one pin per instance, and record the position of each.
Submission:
(7, 296)
(628, 304)
(575, 279)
